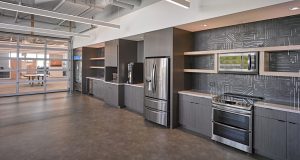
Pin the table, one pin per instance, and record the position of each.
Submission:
(34, 76)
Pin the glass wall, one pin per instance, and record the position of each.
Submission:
(31, 64)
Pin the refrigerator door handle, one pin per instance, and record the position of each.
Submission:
(154, 78)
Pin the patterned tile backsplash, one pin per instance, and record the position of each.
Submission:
(275, 32)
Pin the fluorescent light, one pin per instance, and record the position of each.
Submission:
(56, 15)
(182, 3)
(294, 8)
(40, 30)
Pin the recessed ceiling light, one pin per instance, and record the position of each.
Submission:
(294, 8)
(204, 25)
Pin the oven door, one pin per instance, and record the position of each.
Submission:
(233, 129)
(240, 121)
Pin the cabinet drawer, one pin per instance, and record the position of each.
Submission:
(293, 117)
(186, 97)
(159, 117)
(270, 113)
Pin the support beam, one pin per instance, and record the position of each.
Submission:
(50, 14)
(59, 4)
(40, 30)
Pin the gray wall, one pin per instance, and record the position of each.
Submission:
(140, 51)
(276, 32)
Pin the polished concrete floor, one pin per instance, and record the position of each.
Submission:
(61, 126)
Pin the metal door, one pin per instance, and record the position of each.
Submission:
(157, 78)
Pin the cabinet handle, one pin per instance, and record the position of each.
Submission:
(281, 120)
(192, 102)
(292, 123)
(196, 103)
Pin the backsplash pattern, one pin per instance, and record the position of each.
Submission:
(283, 90)
(276, 32)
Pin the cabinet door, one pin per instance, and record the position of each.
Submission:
(270, 137)
(127, 96)
(293, 141)
(204, 114)
(187, 110)
(159, 43)
(140, 99)
(111, 53)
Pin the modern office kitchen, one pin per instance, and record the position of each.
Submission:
(221, 84)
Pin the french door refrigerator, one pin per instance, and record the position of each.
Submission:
(156, 102)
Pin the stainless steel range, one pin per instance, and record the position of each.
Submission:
(232, 121)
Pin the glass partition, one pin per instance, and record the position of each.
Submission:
(31, 64)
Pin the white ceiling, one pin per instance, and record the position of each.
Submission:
(264, 13)
(103, 10)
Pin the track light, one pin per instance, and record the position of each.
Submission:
(182, 3)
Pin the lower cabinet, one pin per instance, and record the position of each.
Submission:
(113, 94)
(276, 134)
(293, 136)
(195, 114)
(134, 98)
(270, 137)
(98, 88)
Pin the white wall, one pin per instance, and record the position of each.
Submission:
(164, 15)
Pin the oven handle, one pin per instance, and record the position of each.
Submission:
(224, 125)
(231, 111)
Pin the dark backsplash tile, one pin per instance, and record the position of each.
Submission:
(275, 32)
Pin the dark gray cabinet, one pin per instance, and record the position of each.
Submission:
(293, 136)
(270, 137)
(276, 134)
(98, 88)
(111, 53)
(113, 94)
(134, 98)
(195, 114)
(158, 43)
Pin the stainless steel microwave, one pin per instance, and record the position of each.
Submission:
(241, 63)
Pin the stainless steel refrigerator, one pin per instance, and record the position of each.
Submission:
(156, 77)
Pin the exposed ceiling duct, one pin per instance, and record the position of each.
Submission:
(94, 10)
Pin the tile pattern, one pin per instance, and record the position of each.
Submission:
(275, 32)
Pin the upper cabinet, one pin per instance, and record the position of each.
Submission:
(111, 53)
(158, 43)
(118, 53)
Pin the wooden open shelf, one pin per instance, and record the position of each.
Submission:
(97, 67)
(96, 59)
(263, 62)
(199, 71)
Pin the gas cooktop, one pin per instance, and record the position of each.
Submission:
(236, 100)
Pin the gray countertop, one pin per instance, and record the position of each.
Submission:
(197, 93)
(135, 85)
(280, 107)
(262, 104)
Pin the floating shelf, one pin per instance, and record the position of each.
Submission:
(97, 67)
(199, 71)
(261, 49)
(95, 59)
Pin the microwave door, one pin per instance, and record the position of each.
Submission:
(230, 63)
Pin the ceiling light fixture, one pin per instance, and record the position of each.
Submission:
(204, 25)
(182, 3)
(56, 15)
(41, 30)
(294, 8)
